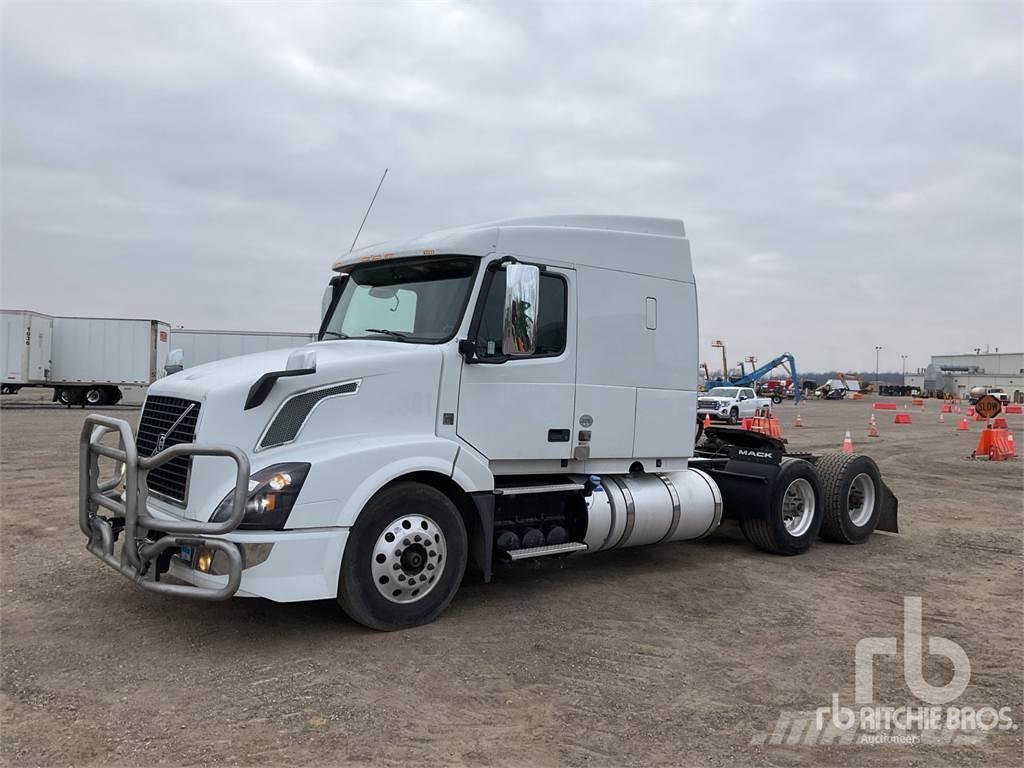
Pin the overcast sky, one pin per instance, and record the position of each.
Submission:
(849, 174)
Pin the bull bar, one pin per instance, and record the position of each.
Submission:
(125, 495)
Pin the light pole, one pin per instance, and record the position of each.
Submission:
(877, 383)
(904, 367)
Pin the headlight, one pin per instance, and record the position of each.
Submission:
(272, 494)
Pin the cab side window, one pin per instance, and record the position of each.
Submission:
(551, 317)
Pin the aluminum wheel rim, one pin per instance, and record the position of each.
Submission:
(408, 559)
(798, 507)
(860, 501)
(92, 397)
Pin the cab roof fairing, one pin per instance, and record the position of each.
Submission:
(655, 246)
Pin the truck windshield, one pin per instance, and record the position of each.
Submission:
(723, 392)
(415, 300)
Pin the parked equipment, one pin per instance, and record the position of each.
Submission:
(85, 360)
(785, 360)
(410, 441)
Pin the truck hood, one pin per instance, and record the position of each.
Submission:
(396, 393)
(334, 359)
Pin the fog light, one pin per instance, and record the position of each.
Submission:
(204, 558)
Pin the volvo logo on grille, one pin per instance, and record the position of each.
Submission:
(161, 441)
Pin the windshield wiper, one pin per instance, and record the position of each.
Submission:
(336, 334)
(386, 332)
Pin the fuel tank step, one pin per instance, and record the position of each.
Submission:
(521, 489)
(549, 549)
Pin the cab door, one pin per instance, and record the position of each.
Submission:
(521, 408)
(748, 403)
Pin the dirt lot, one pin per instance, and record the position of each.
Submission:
(682, 654)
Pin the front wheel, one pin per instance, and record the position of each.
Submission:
(734, 416)
(404, 559)
(777, 399)
(794, 513)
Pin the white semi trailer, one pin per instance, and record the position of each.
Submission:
(206, 346)
(84, 360)
(477, 396)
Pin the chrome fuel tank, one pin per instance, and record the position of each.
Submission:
(632, 510)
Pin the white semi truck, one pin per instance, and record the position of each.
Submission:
(478, 396)
(84, 360)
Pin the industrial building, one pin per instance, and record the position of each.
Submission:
(958, 374)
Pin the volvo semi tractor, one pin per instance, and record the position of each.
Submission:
(475, 398)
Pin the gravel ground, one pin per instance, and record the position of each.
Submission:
(683, 654)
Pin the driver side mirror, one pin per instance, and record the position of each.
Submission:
(522, 295)
(173, 364)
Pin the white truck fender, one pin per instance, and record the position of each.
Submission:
(340, 484)
(472, 472)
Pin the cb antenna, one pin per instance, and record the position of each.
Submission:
(368, 209)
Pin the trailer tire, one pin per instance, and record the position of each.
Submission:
(851, 497)
(795, 511)
(95, 396)
(374, 584)
(68, 396)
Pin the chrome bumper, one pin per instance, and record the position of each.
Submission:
(125, 494)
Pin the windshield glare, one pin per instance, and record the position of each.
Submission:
(723, 392)
(417, 300)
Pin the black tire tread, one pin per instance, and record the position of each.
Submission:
(831, 468)
(348, 591)
(761, 532)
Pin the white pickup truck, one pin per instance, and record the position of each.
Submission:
(732, 404)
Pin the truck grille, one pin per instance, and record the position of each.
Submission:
(709, 405)
(159, 415)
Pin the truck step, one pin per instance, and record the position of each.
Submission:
(548, 549)
(553, 488)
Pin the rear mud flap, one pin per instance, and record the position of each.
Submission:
(887, 519)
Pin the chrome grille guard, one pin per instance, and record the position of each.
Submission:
(125, 495)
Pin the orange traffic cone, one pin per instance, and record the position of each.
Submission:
(707, 420)
(873, 421)
(873, 432)
(847, 443)
(798, 422)
(962, 426)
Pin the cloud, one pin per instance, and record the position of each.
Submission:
(206, 163)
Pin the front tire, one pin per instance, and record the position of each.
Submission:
(795, 512)
(734, 416)
(851, 498)
(404, 559)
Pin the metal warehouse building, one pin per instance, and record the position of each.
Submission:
(958, 374)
